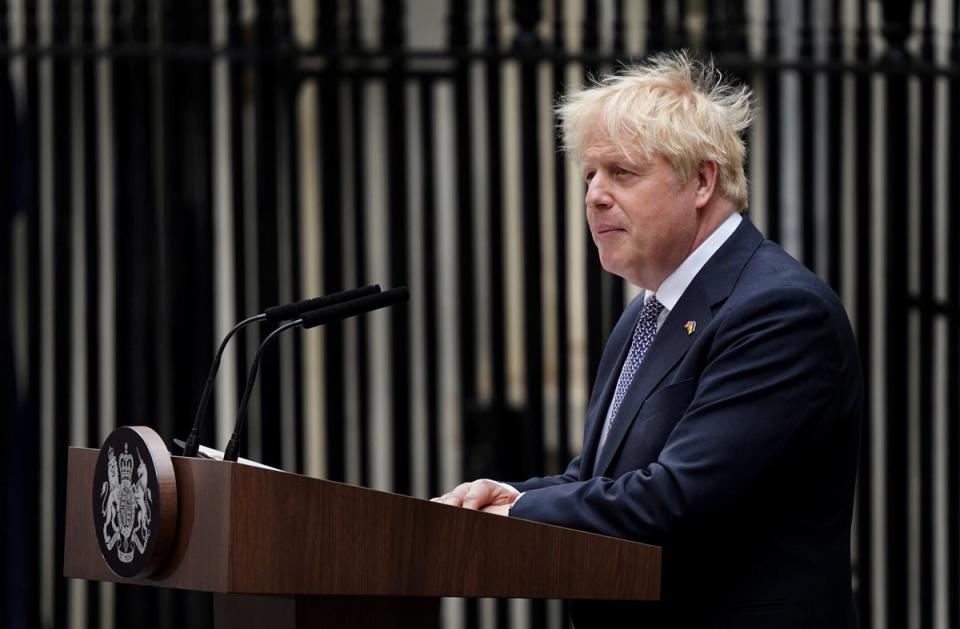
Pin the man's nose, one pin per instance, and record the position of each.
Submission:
(598, 198)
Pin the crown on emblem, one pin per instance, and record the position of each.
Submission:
(126, 465)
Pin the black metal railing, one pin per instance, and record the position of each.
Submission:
(164, 167)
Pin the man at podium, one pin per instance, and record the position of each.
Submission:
(723, 423)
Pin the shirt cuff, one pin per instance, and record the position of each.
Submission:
(511, 488)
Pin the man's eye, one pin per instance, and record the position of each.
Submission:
(618, 171)
(587, 176)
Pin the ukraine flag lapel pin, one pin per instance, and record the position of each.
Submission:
(690, 326)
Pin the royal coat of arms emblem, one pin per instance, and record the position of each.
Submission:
(134, 501)
(125, 505)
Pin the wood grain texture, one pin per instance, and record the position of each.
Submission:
(317, 535)
(255, 531)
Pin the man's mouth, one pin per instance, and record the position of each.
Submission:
(607, 230)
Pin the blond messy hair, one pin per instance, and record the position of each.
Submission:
(680, 108)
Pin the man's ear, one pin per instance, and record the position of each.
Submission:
(706, 182)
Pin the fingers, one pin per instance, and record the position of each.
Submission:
(455, 497)
(497, 509)
(475, 495)
(480, 494)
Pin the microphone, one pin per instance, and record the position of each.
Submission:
(312, 319)
(273, 314)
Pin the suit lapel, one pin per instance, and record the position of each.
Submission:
(598, 410)
(711, 286)
(668, 347)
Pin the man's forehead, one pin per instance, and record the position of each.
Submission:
(604, 149)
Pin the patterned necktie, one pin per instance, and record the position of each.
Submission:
(642, 338)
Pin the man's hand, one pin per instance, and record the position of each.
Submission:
(481, 495)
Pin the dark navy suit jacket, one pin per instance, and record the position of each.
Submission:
(735, 449)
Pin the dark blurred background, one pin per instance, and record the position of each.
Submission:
(168, 167)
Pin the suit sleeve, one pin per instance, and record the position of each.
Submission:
(571, 474)
(777, 363)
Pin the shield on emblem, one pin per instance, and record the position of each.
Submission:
(127, 508)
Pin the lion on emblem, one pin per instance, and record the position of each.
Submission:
(142, 499)
(109, 503)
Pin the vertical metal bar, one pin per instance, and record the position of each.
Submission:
(332, 225)
(619, 42)
(186, 177)
(594, 273)
(246, 342)
(681, 36)
(61, 180)
(167, 207)
(393, 41)
(359, 246)
(135, 256)
(154, 70)
(498, 312)
(807, 141)
(8, 371)
(928, 388)
(263, 76)
(173, 603)
(277, 42)
(560, 238)
(459, 42)
(953, 335)
(615, 301)
(81, 34)
(736, 29)
(494, 207)
(91, 279)
(527, 15)
(656, 26)
(430, 302)
(286, 82)
(13, 527)
(282, 25)
(772, 116)
(135, 244)
(863, 176)
(834, 156)
(896, 30)
(31, 204)
(459, 34)
(285, 103)
(736, 46)
(715, 35)
(198, 175)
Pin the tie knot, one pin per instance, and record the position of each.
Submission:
(647, 322)
(651, 309)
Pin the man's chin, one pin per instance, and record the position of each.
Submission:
(616, 266)
(611, 262)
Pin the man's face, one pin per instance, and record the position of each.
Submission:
(643, 223)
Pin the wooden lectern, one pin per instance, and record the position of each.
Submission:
(284, 550)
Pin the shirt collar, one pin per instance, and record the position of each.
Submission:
(676, 283)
